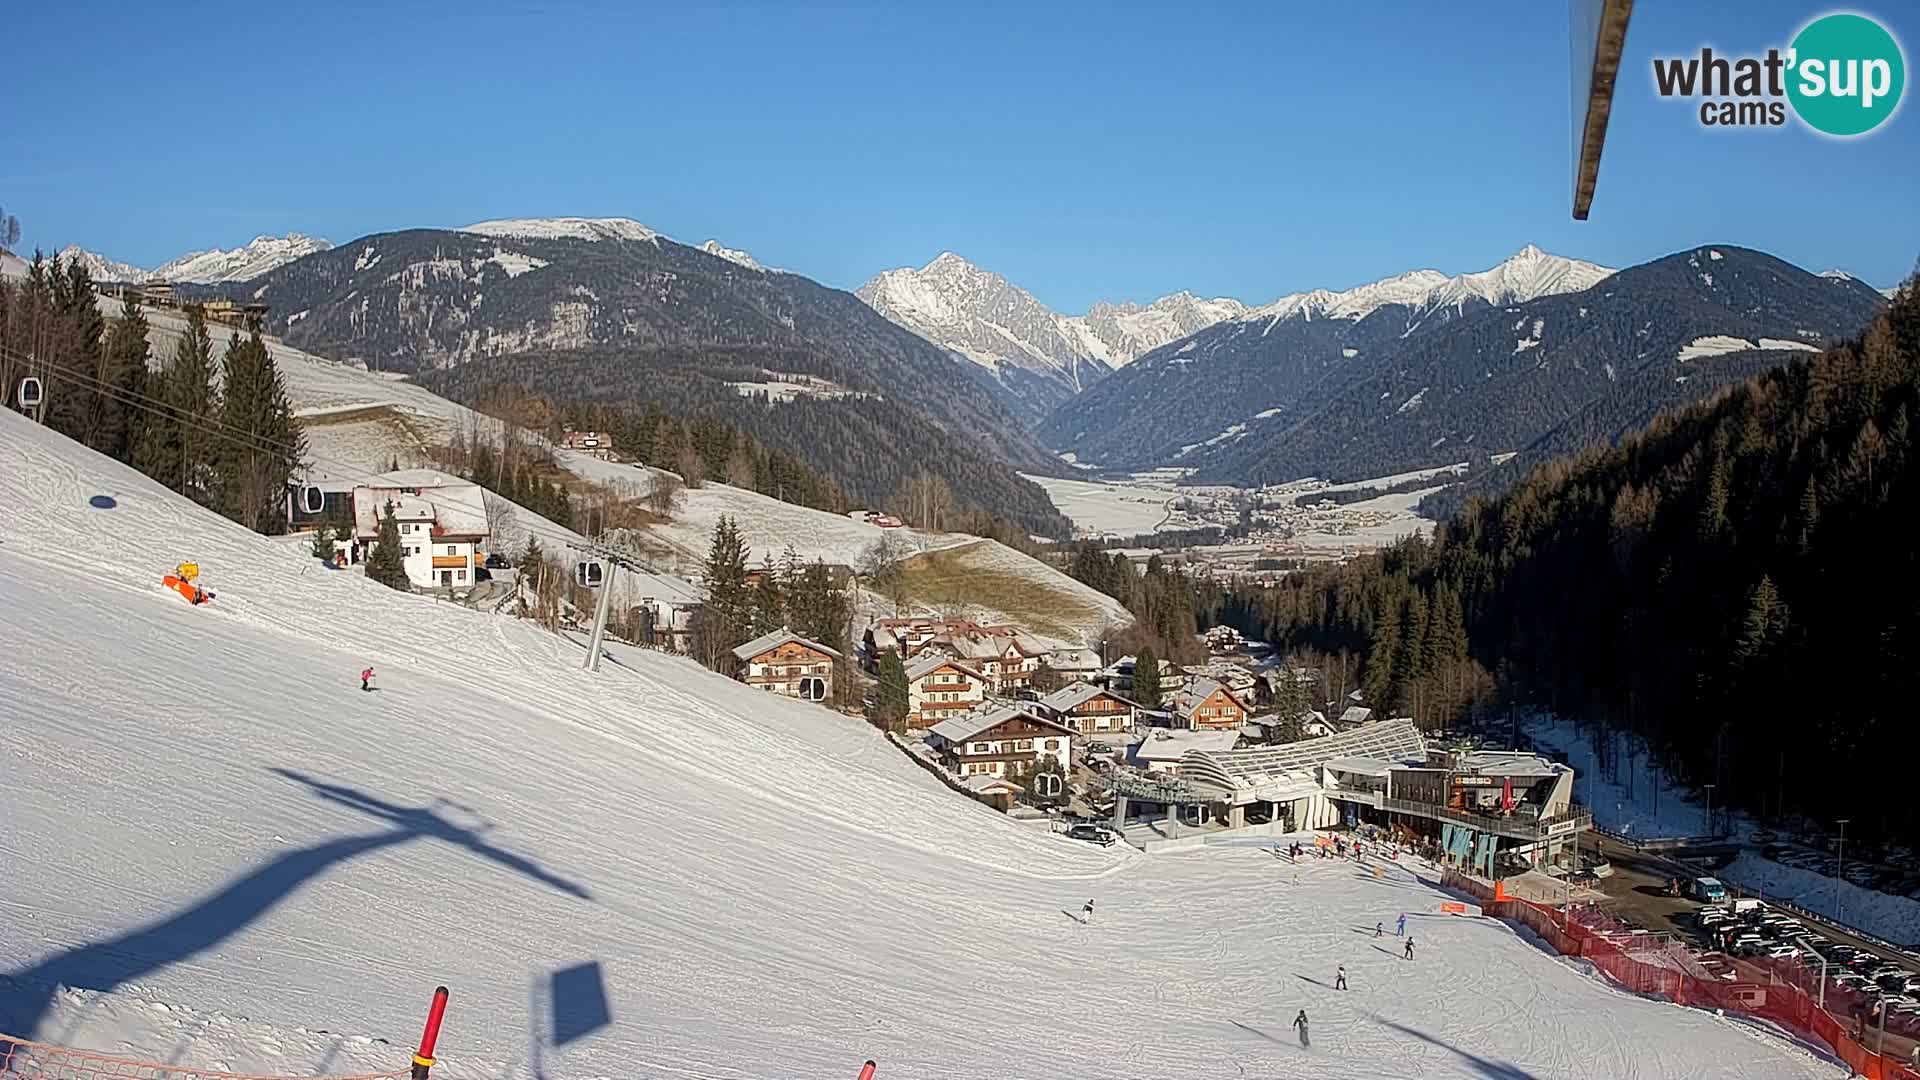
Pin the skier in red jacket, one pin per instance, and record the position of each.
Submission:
(366, 679)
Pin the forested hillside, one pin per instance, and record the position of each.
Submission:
(868, 447)
(1737, 583)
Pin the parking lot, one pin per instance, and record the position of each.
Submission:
(1637, 891)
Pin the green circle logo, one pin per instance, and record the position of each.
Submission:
(1847, 74)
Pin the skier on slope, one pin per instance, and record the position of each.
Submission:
(1086, 913)
(1409, 953)
(1340, 978)
(366, 678)
(1401, 931)
(1300, 1022)
(1379, 930)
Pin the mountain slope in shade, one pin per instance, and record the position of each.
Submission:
(1214, 383)
(1034, 356)
(613, 312)
(256, 257)
(1550, 374)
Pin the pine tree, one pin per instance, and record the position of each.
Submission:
(178, 439)
(127, 359)
(890, 695)
(767, 601)
(323, 547)
(727, 615)
(263, 446)
(1146, 679)
(388, 563)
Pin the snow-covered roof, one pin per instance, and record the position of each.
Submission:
(455, 505)
(1074, 660)
(1515, 763)
(1290, 767)
(1077, 693)
(1364, 766)
(928, 662)
(1355, 715)
(969, 725)
(1171, 744)
(986, 783)
(1197, 694)
(776, 639)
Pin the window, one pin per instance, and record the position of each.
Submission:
(1023, 744)
(1046, 744)
(459, 575)
(450, 550)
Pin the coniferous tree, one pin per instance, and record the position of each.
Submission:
(179, 438)
(263, 445)
(767, 602)
(388, 563)
(890, 693)
(127, 361)
(323, 546)
(727, 615)
(1146, 679)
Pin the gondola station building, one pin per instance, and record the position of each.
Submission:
(1492, 812)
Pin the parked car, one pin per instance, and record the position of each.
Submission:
(497, 561)
(1781, 951)
(1092, 833)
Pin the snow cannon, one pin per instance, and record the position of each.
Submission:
(185, 580)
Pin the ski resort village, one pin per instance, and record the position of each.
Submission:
(965, 587)
(508, 706)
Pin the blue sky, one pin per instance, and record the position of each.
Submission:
(1086, 151)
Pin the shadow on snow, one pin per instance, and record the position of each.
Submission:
(27, 994)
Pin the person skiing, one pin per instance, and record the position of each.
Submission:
(366, 678)
(1340, 978)
(1300, 1023)
(1086, 913)
(1379, 930)
(1409, 953)
(1401, 931)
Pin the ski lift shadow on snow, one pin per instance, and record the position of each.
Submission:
(208, 921)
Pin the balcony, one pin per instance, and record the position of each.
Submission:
(1521, 825)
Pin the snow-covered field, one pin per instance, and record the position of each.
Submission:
(1097, 508)
(243, 862)
(1651, 811)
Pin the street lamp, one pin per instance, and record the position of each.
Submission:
(1840, 867)
(1709, 788)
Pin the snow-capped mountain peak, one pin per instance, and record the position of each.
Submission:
(565, 228)
(256, 257)
(1528, 275)
(732, 255)
(101, 267)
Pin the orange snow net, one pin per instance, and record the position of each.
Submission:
(1784, 992)
(18, 1057)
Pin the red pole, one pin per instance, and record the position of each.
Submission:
(866, 1071)
(423, 1059)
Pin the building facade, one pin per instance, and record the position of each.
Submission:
(785, 663)
(939, 686)
(1001, 742)
(1209, 706)
(1090, 710)
(442, 522)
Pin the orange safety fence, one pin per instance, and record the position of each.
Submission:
(20, 1057)
(1785, 992)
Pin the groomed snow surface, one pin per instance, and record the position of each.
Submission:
(247, 863)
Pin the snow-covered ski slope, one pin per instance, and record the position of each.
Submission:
(242, 861)
(358, 420)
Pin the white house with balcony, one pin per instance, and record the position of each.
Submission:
(442, 521)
